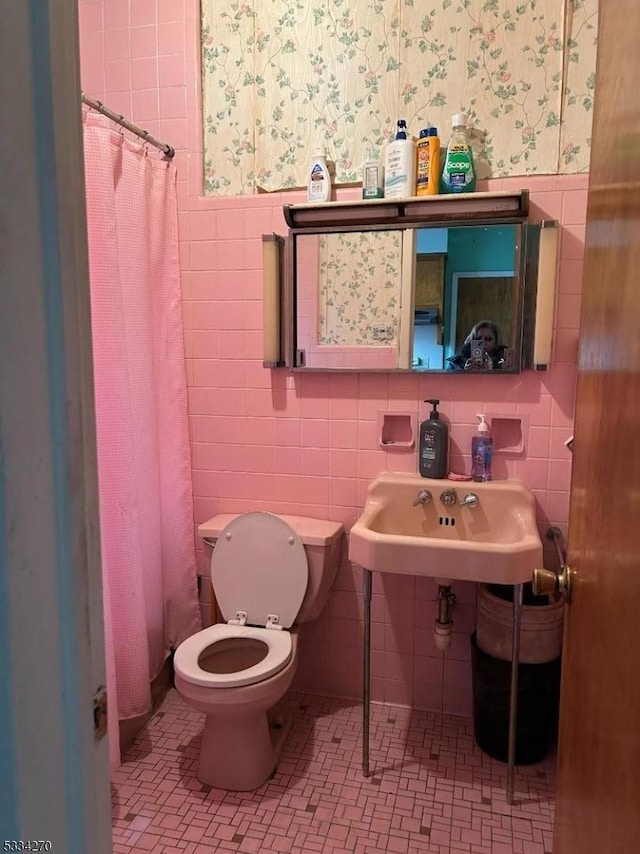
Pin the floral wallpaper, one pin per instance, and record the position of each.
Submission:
(360, 280)
(579, 86)
(281, 77)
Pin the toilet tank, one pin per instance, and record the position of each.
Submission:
(323, 542)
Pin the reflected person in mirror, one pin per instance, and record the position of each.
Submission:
(482, 349)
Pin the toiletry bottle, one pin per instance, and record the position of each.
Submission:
(434, 162)
(434, 444)
(400, 165)
(372, 186)
(458, 173)
(319, 186)
(422, 163)
(481, 452)
(428, 163)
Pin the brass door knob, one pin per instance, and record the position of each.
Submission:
(548, 583)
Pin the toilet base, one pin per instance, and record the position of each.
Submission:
(241, 754)
(244, 729)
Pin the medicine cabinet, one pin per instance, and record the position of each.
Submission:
(399, 285)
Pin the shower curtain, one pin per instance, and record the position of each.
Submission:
(144, 471)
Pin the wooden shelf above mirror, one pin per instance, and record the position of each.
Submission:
(449, 209)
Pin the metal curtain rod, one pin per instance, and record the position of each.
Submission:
(120, 120)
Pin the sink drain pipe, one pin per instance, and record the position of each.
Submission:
(443, 625)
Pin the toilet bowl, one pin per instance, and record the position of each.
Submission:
(268, 572)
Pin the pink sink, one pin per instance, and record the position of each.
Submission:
(496, 540)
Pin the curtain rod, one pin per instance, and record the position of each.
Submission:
(120, 120)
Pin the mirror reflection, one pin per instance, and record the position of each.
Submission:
(349, 298)
(423, 299)
(482, 348)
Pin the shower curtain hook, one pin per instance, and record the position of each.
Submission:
(117, 127)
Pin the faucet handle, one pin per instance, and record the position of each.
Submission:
(470, 500)
(424, 497)
(448, 497)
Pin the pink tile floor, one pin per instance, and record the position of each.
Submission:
(431, 790)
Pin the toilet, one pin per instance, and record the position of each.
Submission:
(269, 574)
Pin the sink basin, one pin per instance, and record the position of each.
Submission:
(495, 541)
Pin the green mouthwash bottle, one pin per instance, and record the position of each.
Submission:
(458, 174)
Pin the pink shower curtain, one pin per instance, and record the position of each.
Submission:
(144, 471)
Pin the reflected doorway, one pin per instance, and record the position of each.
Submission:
(479, 296)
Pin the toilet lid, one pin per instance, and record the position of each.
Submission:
(259, 566)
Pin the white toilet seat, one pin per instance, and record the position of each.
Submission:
(187, 655)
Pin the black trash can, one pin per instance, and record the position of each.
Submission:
(538, 706)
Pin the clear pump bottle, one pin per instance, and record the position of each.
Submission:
(481, 452)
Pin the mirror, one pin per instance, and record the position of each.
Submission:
(409, 298)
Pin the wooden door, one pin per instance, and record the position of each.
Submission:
(485, 298)
(598, 802)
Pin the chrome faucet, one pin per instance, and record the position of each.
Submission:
(448, 497)
(470, 500)
(424, 497)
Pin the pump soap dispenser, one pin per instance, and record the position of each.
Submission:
(481, 451)
(434, 444)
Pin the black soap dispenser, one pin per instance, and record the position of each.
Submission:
(434, 444)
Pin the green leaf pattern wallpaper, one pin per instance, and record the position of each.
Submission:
(281, 77)
(359, 287)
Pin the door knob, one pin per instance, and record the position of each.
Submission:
(548, 583)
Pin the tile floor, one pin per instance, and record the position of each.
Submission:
(431, 790)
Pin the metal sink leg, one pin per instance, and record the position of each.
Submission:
(513, 699)
(366, 687)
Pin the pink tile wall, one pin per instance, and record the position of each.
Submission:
(308, 444)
